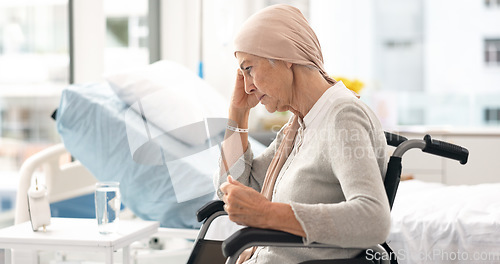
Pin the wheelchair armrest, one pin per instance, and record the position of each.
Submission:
(209, 209)
(250, 236)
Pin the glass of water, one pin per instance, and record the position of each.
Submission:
(107, 206)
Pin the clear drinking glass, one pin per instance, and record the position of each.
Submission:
(107, 206)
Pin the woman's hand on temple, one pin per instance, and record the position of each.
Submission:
(240, 99)
(244, 205)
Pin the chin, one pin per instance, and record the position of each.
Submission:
(270, 109)
(283, 109)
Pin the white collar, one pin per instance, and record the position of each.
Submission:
(329, 96)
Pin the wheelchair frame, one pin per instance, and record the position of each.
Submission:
(247, 237)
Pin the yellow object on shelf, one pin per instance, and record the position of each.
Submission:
(353, 84)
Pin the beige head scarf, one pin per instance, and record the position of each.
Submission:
(281, 32)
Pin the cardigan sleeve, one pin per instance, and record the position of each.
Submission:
(249, 170)
(363, 219)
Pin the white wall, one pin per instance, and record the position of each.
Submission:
(222, 19)
(180, 32)
(482, 165)
(88, 40)
(345, 32)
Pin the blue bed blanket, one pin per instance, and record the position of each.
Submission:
(159, 184)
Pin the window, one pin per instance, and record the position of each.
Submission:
(418, 78)
(492, 115)
(126, 34)
(492, 52)
(492, 3)
(33, 46)
(34, 67)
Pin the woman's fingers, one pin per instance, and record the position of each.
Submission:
(233, 195)
(243, 204)
(235, 182)
(240, 80)
(240, 99)
(224, 188)
(229, 185)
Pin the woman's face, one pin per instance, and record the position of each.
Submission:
(270, 83)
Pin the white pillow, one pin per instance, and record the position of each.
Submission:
(169, 96)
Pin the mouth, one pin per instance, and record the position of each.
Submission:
(260, 98)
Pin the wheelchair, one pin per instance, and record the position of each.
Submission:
(227, 251)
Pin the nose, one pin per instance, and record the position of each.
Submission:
(249, 87)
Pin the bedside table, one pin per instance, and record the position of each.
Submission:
(75, 234)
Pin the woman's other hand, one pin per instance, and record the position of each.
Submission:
(244, 205)
(240, 99)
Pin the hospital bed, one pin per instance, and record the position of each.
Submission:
(438, 223)
(63, 181)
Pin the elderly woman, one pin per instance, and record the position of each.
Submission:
(322, 177)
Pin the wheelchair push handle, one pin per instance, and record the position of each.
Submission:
(394, 139)
(445, 149)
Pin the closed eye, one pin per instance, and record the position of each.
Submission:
(248, 69)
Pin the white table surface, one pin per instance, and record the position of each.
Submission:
(75, 234)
